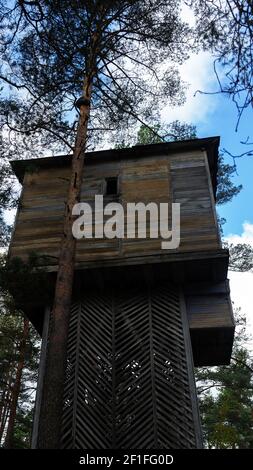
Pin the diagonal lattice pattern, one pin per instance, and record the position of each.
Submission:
(127, 383)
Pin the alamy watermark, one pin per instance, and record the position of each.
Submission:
(129, 222)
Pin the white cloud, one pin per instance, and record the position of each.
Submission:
(242, 297)
(241, 284)
(198, 72)
(245, 237)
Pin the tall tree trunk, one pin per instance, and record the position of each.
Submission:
(4, 396)
(16, 387)
(5, 413)
(52, 392)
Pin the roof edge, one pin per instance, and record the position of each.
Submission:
(210, 144)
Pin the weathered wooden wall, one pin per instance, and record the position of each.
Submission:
(211, 322)
(209, 305)
(180, 177)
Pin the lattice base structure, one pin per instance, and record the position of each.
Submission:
(129, 381)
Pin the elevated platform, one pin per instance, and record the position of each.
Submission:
(202, 278)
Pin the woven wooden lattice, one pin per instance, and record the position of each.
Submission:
(127, 379)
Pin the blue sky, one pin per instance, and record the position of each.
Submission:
(223, 123)
(217, 115)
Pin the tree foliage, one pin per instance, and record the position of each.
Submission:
(225, 28)
(226, 189)
(47, 50)
(8, 195)
(240, 256)
(226, 397)
(158, 132)
(19, 347)
(19, 355)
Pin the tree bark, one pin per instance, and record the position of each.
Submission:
(5, 399)
(4, 415)
(49, 433)
(6, 396)
(8, 444)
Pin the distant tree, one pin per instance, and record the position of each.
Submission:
(23, 426)
(8, 195)
(16, 385)
(155, 133)
(158, 132)
(4, 231)
(226, 189)
(226, 397)
(241, 256)
(19, 354)
(19, 349)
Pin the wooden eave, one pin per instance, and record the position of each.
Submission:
(209, 144)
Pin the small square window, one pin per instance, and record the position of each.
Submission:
(111, 188)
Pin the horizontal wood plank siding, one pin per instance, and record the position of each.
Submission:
(209, 306)
(165, 178)
(190, 188)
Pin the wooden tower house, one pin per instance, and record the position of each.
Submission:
(141, 317)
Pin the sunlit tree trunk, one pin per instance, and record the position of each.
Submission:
(5, 413)
(4, 396)
(52, 394)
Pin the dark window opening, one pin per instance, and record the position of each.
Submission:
(111, 188)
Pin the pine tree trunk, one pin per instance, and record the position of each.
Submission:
(4, 397)
(8, 444)
(52, 393)
(5, 413)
